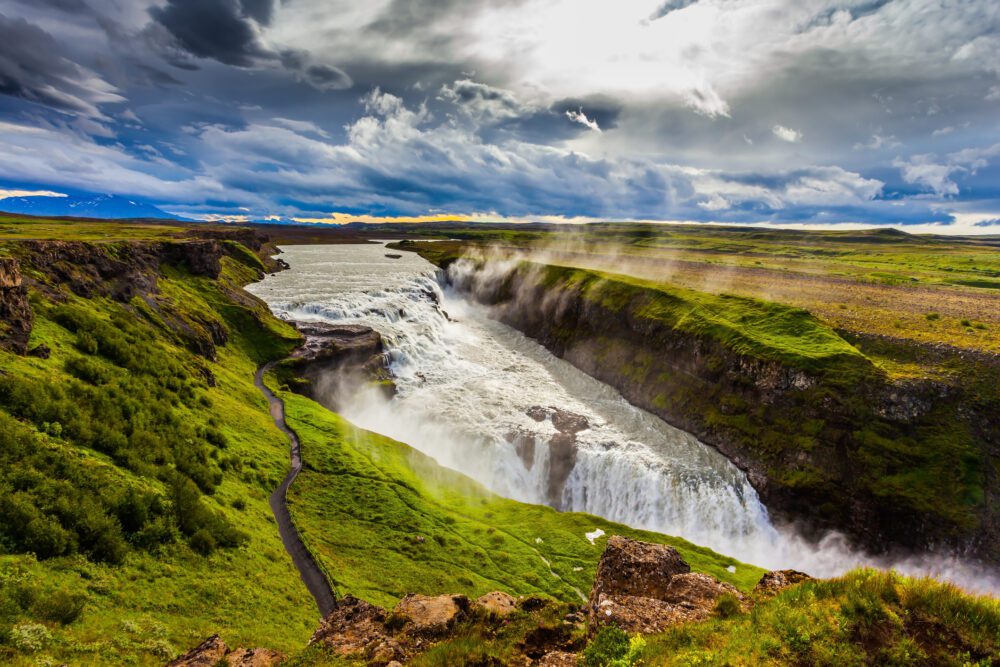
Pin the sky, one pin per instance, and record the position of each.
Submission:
(778, 112)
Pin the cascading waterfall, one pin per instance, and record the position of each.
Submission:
(485, 400)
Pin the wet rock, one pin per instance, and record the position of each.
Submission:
(431, 616)
(393, 255)
(630, 567)
(562, 446)
(497, 603)
(776, 581)
(524, 445)
(338, 358)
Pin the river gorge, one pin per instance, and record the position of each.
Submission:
(485, 400)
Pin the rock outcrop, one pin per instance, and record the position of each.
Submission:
(776, 581)
(430, 616)
(16, 316)
(562, 447)
(336, 359)
(647, 588)
(213, 652)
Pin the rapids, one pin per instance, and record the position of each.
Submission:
(466, 389)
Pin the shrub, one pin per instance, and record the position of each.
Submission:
(612, 647)
(931, 317)
(727, 606)
(59, 606)
(30, 636)
(203, 542)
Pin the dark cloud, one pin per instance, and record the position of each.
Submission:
(670, 6)
(33, 68)
(222, 30)
(994, 222)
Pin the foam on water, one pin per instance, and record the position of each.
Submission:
(466, 382)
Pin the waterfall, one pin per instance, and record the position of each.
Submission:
(485, 400)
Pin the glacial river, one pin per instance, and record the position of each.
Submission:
(472, 392)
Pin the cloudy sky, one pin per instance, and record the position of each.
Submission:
(780, 111)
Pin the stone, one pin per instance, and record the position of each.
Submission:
(353, 627)
(497, 603)
(776, 581)
(630, 567)
(431, 615)
(635, 614)
(558, 659)
(207, 654)
(254, 657)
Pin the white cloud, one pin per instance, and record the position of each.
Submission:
(936, 174)
(942, 131)
(787, 134)
(878, 141)
(6, 194)
(581, 118)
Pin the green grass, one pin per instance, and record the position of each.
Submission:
(866, 617)
(363, 503)
(158, 599)
(750, 327)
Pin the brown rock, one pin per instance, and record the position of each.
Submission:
(353, 627)
(16, 315)
(497, 603)
(630, 567)
(254, 657)
(207, 654)
(776, 581)
(558, 659)
(636, 614)
(431, 615)
(698, 591)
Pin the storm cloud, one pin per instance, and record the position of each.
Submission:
(829, 111)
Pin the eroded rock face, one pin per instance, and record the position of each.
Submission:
(776, 581)
(213, 652)
(337, 358)
(646, 588)
(562, 447)
(16, 316)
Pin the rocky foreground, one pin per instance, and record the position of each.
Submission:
(640, 588)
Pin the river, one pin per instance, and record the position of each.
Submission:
(485, 400)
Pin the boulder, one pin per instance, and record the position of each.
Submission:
(776, 581)
(254, 657)
(430, 616)
(497, 603)
(356, 627)
(697, 592)
(642, 569)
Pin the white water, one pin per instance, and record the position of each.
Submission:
(465, 383)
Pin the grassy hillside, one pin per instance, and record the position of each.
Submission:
(386, 520)
(135, 475)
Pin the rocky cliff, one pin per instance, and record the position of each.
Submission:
(824, 435)
(121, 271)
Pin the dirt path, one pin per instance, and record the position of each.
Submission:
(309, 570)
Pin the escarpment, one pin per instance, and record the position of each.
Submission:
(825, 436)
(127, 272)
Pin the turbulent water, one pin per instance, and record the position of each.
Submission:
(467, 386)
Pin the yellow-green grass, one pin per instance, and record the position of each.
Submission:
(865, 617)
(386, 520)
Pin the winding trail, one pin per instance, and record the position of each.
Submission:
(310, 571)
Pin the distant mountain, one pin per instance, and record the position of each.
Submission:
(87, 206)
